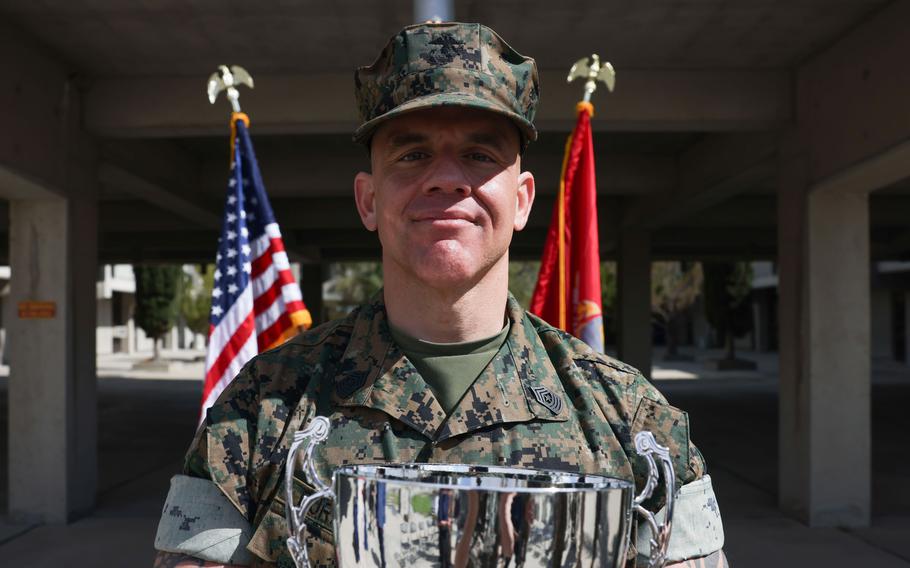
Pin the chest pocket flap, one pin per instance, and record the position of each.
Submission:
(670, 427)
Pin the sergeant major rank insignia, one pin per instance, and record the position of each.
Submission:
(547, 398)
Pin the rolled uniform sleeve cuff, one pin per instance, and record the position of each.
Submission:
(697, 527)
(199, 521)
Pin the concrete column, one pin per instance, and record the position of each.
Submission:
(634, 297)
(132, 340)
(52, 390)
(907, 327)
(824, 434)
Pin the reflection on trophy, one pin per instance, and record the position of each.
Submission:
(455, 516)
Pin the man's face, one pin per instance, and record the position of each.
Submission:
(445, 194)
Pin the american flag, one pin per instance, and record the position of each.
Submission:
(256, 303)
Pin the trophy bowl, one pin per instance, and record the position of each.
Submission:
(454, 515)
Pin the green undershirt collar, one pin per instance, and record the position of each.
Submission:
(449, 369)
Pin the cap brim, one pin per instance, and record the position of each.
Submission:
(366, 130)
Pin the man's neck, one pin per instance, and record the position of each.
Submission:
(451, 314)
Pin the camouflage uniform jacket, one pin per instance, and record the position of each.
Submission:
(546, 400)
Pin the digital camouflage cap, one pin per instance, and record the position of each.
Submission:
(447, 64)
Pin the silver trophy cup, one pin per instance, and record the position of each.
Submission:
(453, 516)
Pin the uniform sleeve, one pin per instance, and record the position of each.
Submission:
(651, 412)
(697, 528)
(197, 520)
(209, 506)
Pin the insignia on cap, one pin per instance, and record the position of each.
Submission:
(547, 398)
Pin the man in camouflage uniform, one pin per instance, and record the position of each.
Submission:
(447, 111)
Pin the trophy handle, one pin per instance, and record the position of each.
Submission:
(648, 448)
(306, 439)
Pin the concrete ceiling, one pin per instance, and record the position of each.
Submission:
(106, 38)
(690, 136)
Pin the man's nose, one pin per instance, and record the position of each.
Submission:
(447, 174)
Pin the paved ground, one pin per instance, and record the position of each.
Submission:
(734, 418)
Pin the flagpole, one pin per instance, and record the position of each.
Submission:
(256, 301)
(227, 79)
(592, 70)
(561, 246)
(589, 324)
(568, 291)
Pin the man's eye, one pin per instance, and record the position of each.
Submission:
(413, 156)
(481, 157)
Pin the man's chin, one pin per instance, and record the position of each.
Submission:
(446, 277)
(447, 271)
(444, 265)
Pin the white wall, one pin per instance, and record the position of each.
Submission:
(104, 341)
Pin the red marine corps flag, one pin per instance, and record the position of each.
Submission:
(256, 303)
(568, 292)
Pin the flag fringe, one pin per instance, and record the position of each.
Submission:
(235, 116)
(301, 318)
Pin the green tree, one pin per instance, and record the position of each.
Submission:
(523, 279)
(351, 284)
(196, 298)
(727, 287)
(674, 288)
(156, 294)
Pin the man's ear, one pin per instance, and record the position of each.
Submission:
(524, 200)
(365, 197)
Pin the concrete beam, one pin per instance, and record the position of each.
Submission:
(126, 216)
(711, 168)
(741, 226)
(15, 185)
(878, 171)
(888, 214)
(712, 171)
(645, 100)
(193, 246)
(743, 211)
(652, 100)
(161, 174)
(313, 213)
(896, 248)
(714, 243)
(158, 195)
(852, 97)
(308, 170)
(185, 243)
(41, 98)
(888, 210)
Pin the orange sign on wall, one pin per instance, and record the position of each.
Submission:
(37, 310)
